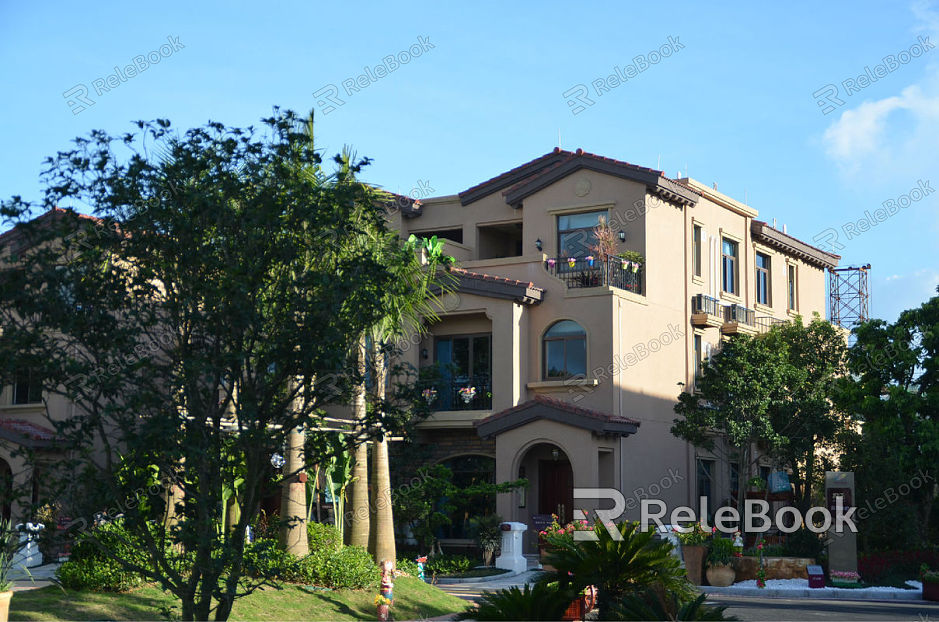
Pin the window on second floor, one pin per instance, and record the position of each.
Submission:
(698, 355)
(762, 279)
(729, 277)
(792, 293)
(696, 236)
(575, 233)
(565, 350)
(27, 389)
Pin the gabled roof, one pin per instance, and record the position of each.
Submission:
(542, 407)
(497, 287)
(511, 177)
(532, 176)
(783, 241)
(27, 433)
(655, 181)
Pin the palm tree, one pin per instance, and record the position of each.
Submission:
(406, 311)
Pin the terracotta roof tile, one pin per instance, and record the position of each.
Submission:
(561, 405)
(28, 429)
(495, 279)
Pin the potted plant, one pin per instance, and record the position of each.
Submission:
(467, 394)
(383, 605)
(930, 583)
(720, 554)
(693, 546)
(429, 395)
(488, 535)
(9, 543)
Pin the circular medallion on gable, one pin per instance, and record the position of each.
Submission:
(582, 188)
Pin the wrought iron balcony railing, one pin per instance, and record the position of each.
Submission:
(705, 304)
(459, 393)
(765, 323)
(578, 272)
(739, 314)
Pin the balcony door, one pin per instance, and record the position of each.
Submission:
(465, 362)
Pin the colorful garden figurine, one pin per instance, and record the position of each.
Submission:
(420, 566)
(387, 576)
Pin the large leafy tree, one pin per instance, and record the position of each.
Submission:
(807, 421)
(729, 411)
(205, 314)
(892, 393)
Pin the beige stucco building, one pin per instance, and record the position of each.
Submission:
(575, 363)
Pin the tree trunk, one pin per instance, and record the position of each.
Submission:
(359, 503)
(293, 500)
(384, 520)
(384, 532)
(359, 521)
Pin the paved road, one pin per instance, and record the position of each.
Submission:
(773, 609)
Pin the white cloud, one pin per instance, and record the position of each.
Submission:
(896, 134)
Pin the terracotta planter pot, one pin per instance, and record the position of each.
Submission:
(5, 605)
(383, 612)
(693, 556)
(930, 591)
(721, 575)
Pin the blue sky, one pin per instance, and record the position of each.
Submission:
(736, 102)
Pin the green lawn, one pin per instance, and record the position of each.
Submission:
(414, 600)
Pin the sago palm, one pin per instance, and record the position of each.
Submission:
(633, 562)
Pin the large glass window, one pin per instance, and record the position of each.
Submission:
(465, 361)
(762, 279)
(729, 266)
(696, 249)
(575, 233)
(565, 350)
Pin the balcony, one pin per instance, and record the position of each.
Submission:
(582, 272)
(459, 393)
(765, 323)
(706, 311)
(739, 319)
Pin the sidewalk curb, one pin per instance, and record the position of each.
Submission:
(835, 593)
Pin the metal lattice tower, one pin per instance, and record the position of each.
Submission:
(849, 295)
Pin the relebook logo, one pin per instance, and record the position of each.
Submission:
(727, 519)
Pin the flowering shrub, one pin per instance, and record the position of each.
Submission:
(695, 537)
(556, 534)
(844, 575)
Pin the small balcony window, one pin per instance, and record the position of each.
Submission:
(729, 266)
(762, 279)
(792, 292)
(565, 350)
(27, 389)
(696, 249)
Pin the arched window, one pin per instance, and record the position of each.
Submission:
(565, 350)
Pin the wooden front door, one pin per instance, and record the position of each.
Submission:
(556, 489)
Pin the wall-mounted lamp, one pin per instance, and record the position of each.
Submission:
(424, 353)
(538, 244)
(622, 235)
(555, 454)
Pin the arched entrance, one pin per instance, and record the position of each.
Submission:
(551, 478)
